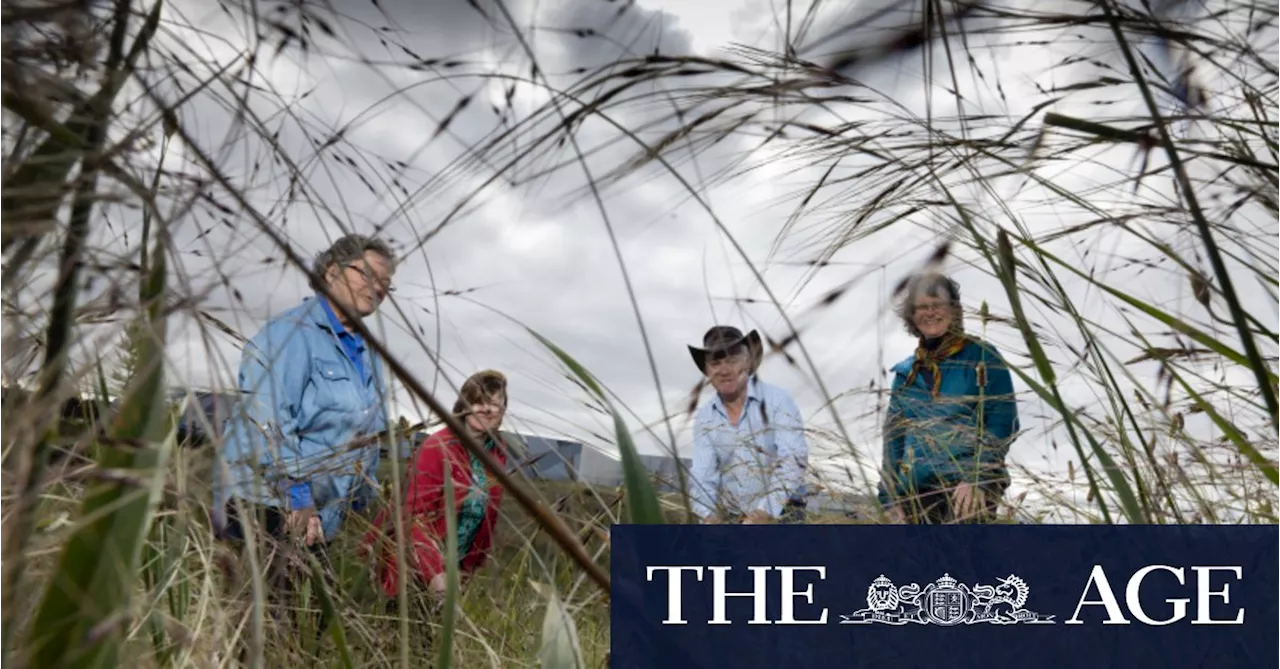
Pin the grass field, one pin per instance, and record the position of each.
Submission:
(500, 617)
(196, 589)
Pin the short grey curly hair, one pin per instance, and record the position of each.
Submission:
(933, 285)
(344, 251)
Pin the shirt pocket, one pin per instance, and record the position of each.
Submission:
(334, 384)
(767, 442)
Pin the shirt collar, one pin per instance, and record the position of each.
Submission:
(332, 319)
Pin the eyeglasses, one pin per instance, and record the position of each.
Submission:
(369, 276)
(930, 307)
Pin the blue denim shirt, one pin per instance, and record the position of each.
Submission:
(304, 401)
(747, 467)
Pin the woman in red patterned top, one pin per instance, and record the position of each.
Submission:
(482, 403)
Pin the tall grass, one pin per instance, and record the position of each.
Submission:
(1115, 222)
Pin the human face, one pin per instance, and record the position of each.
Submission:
(933, 316)
(487, 414)
(729, 374)
(361, 286)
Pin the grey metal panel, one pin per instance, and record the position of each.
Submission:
(664, 470)
(546, 458)
(600, 468)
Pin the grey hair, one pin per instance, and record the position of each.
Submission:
(933, 285)
(344, 251)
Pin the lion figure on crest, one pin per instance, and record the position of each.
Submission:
(882, 595)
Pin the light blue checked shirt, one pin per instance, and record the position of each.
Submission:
(756, 464)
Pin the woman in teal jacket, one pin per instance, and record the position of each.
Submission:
(951, 419)
(312, 389)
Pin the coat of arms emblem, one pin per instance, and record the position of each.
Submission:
(947, 602)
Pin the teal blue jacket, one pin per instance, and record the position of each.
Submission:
(962, 436)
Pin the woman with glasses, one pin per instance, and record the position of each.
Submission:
(951, 419)
(481, 406)
(295, 454)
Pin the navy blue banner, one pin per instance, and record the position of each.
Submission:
(944, 597)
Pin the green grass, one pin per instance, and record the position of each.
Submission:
(193, 593)
(190, 583)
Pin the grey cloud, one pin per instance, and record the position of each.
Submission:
(606, 30)
(537, 252)
(580, 256)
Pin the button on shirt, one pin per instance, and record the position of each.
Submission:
(755, 465)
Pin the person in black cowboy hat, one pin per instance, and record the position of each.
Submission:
(749, 449)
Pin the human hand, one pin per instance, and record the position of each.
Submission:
(305, 522)
(896, 516)
(439, 584)
(757, 517)
(967, 501)
(712, 519)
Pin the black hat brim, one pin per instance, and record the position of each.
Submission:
(751, 339)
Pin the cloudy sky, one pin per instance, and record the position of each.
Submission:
(491, 203)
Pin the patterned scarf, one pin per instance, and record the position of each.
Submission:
(475, 504)
(927, 359)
